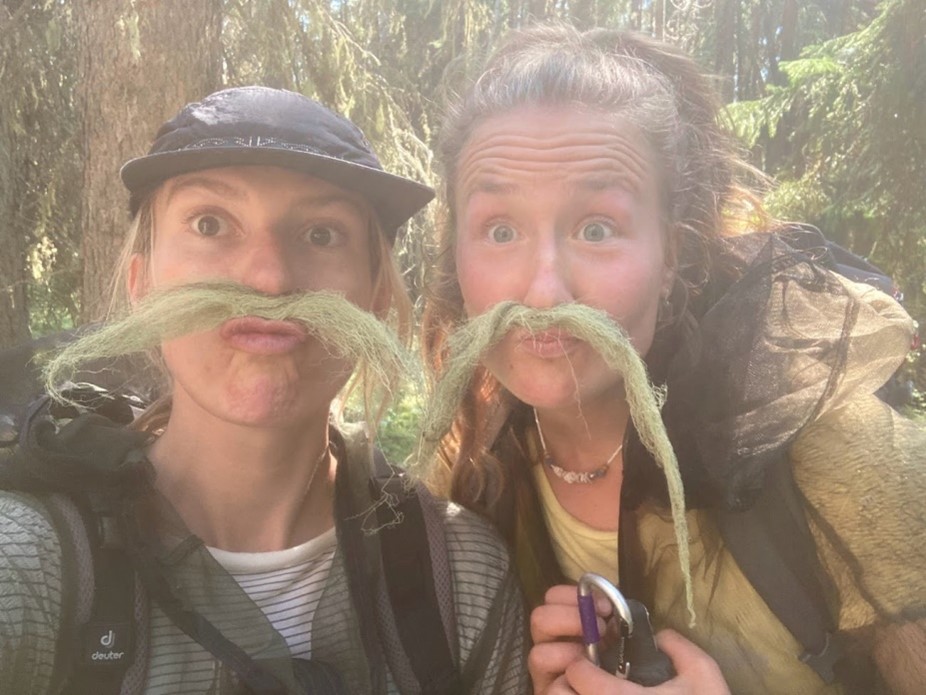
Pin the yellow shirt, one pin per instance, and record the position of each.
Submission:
(755, 651)
(578, 547)
(862, 469)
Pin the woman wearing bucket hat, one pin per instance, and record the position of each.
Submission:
(235, 538)
(592, 194)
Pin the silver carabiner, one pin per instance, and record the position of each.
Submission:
(590, 635)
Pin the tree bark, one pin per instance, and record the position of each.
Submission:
(725, 45)
(138, 63)
(14, 312)
(659, 19)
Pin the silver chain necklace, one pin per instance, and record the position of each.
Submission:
(573, 477)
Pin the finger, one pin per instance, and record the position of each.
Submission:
(552, 621)
(548, 661)
(693, 665)
(567, 594)
(684, 653)
(559, 687)
(561, 593)
(556, 622)
(587, 679)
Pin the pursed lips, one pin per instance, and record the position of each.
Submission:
(550, 343)
(262, 336)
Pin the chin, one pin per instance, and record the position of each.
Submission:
(561, 390)
(270, 405)
(539, 392)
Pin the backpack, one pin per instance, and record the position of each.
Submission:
(769, 536)
(86, 474)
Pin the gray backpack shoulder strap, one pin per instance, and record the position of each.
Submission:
(83, 660)
(414, 608)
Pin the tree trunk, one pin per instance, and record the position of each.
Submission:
(14, 312)
(725, 45)
(139, 62)
(636, 15)
(659, 19)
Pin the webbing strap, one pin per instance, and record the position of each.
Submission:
(410, 586)
(256, 678)
(107, 640)
(773, 547)
(351, 501)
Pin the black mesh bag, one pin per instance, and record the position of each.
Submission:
(771, 350)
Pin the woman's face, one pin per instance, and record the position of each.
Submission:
(276, 231)
(558, 205)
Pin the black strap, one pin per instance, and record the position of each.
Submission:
(351, 503)
(249, 671)
(106, 649)
(771, 543)
(409, 578)
(773, 547)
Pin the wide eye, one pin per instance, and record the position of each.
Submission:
(501, 233)
(596, 231)
(209, 225)
(323, 235)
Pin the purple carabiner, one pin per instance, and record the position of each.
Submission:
(590, 634)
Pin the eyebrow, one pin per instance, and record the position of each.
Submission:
(215, 186)
(227, 190)
(494, 188)
(331, 199)
(590, 183)
(601, 183)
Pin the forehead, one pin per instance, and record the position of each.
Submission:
(257, 183)
(566, 144)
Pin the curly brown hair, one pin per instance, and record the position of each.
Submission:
(640, 81)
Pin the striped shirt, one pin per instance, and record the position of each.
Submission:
(285, 584)
(302, 591)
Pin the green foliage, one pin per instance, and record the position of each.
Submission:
(830, 97)
(398, 430)
(846, 138)
(40, 172)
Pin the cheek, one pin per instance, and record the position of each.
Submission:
(168, 267)
(481, 285)
(186, 352)
(639, 313)
(630, 293)
(362, 294)
(465, 271)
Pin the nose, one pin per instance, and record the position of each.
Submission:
(550, 277)
(266, 267)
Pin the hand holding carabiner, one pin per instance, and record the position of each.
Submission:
(637, 656)
(559, 665)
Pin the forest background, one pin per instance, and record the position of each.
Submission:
(827, 96)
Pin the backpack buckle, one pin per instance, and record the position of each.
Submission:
(824, 661)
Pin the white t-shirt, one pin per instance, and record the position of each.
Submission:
(285, 584)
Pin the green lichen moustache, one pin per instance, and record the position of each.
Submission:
(347, 331)
(467, 346)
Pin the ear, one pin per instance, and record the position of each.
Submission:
(382, 301)
(137, 278)
(671, 264)
(668, 281)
